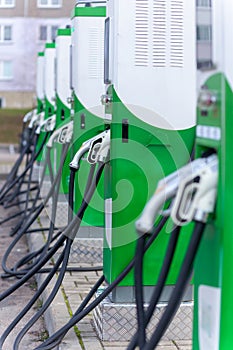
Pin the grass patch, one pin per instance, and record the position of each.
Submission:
(44, 335)
(11, 121)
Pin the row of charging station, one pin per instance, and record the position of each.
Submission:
(111, 59)
(129, 68)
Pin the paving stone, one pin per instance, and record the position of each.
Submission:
(85, 327)
(166, 347)
(119, 347)
(184, 344)
(92, 345)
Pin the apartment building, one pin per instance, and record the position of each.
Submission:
(204, 33)
(25, 26)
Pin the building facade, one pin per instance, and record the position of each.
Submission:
(204, 34)
(25, 27)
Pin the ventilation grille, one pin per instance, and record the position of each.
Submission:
(159, 33)
(177, 34)
(142, 33)
(101, 54)
(159, 38)
(93, 57)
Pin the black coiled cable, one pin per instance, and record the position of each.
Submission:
(33, 216)
(69, 241)
(158, 288)
(18, 178)
(181, 284)
(84, 308)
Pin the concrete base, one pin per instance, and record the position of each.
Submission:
(117, 322)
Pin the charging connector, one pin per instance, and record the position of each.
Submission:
(62, 135)
(96, 148)
(47, 125)
(188, 192)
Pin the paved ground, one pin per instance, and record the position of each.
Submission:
(7, 158)
(74, 288)
(12, 305)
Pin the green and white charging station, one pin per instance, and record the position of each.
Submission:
(212, 273)
(63, 93)
(87, 84)
(49, 79)
(40, 91)
(48, 82)
(40, 99)
(150, 99)
(62, 73)
(40, 82)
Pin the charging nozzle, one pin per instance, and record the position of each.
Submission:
(196, 195)
(28, 116)
(47, 125)
(99, 149)
(168, 188)
(78, 155)
(62, 135)
(96, 148)
(36, 119)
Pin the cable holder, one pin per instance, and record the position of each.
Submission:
(28, 116)
(47, 125)
(196, 195)
(36, 119)
(193, 188)
(97, 148)
(62, 135)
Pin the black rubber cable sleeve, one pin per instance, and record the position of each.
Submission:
(80, 314)
(160, 282)
(182, 281)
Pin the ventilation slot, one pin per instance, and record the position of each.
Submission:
(93, 53)
(159, 33)
(142, 33)
(101, 54)
(177, 34)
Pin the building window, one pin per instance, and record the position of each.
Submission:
(43, 34)
(7, 3)
(49, 3)
(203, 3)
(54, 32)
(204, 33)
(5, 33)
(6, 70)
(47, 33)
